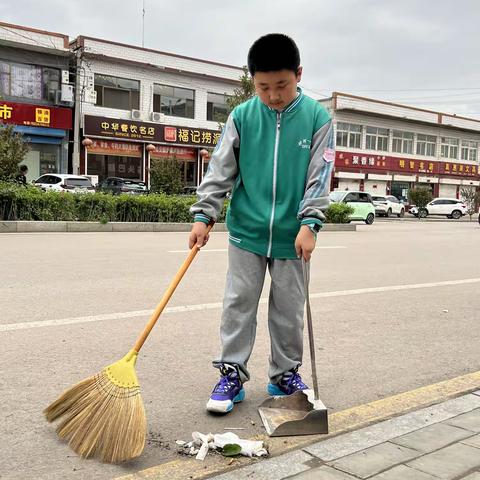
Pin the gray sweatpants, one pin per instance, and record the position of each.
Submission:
(245, 278)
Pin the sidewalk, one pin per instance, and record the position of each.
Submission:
(441, 441)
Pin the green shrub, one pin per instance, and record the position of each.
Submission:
(13, 149)
(166, 176)
(30, 203)
(338, 213)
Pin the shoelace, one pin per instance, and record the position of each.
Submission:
(224, 384)
(294, 380)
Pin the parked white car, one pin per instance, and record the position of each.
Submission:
(62, 182)
(388, 205)
(448, 207)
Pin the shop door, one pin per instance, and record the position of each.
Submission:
(400, 190)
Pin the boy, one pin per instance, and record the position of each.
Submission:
(276, 156)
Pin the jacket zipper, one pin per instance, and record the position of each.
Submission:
(274, 190)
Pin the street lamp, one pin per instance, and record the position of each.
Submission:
(204, 153)
(149, 149)
(86, 142)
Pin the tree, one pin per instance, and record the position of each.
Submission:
(166, 176)
(472, 198)
(13, 149)
(420, 197)
(241, 94)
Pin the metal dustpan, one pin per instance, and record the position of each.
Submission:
(302, 413)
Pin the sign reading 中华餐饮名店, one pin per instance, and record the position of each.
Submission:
(149, 132)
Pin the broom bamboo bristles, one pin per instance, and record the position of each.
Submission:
(104, 415)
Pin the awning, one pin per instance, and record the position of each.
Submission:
(428, 179)
(52, 136)
(474, 183)
(376, 176)
(349, 175)
(450, 181)
(404, 178)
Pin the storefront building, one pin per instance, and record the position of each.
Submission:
(126, 148)
(140, 106)
(384, 148)
(36, 94)
(46, 130)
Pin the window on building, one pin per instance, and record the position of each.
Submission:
(174, 101)
(115, 92)
(426, 145)
(29, 81)
(469, 150)
(377, 139)
(449, 147)
(349, 135)
(217, 108)
(402, 142)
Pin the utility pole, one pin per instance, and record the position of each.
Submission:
(76, 119)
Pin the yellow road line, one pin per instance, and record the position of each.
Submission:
(340, 422)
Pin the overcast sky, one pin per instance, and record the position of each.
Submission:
(419, 52)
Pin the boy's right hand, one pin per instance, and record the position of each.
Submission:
(198, 235)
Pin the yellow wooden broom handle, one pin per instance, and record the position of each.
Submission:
(167, 295)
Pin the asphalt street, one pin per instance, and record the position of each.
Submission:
(395, 307)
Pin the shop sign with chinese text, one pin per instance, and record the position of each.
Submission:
(367, 162)
(35, 115)
(149, 132)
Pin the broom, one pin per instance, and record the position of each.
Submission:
(104, 414)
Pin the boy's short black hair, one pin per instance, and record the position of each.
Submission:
(273, 52)
(23, 168)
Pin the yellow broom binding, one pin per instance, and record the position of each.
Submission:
(122, 373)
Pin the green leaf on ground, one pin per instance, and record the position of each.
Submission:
(231, 449)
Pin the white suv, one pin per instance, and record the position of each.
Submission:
(62, 182)
(449, 207)
(388, 205)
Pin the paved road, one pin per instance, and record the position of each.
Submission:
(395, 307)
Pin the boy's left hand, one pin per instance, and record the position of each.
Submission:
(305, 243)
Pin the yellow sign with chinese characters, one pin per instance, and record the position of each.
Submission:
(5, 112)
(42, 115)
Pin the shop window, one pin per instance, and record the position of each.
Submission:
(449, 147)
(349, 135)
(174, 101)
(377, 139)
(402, 142)
(469, 150)
(217, 108)
(426, 145)
(118, 93)
(29, 82)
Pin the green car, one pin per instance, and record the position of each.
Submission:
(362, 203)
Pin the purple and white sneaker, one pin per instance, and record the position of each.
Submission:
(227, 391)
(290, 382)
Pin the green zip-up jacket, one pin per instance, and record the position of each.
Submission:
(278, 166)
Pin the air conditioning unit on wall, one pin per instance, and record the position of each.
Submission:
(136, 115)
(157, 117)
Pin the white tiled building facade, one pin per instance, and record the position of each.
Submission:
(102, 61)
(384, 148)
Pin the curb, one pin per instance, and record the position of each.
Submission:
(76, 227)
(339, 422)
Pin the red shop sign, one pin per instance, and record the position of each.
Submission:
(365, 162)
(35, 115)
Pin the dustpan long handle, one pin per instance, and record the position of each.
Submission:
(167, 295)
(306, 281)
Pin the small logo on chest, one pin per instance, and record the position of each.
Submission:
(305, 143)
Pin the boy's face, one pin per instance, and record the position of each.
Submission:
(277, 89)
